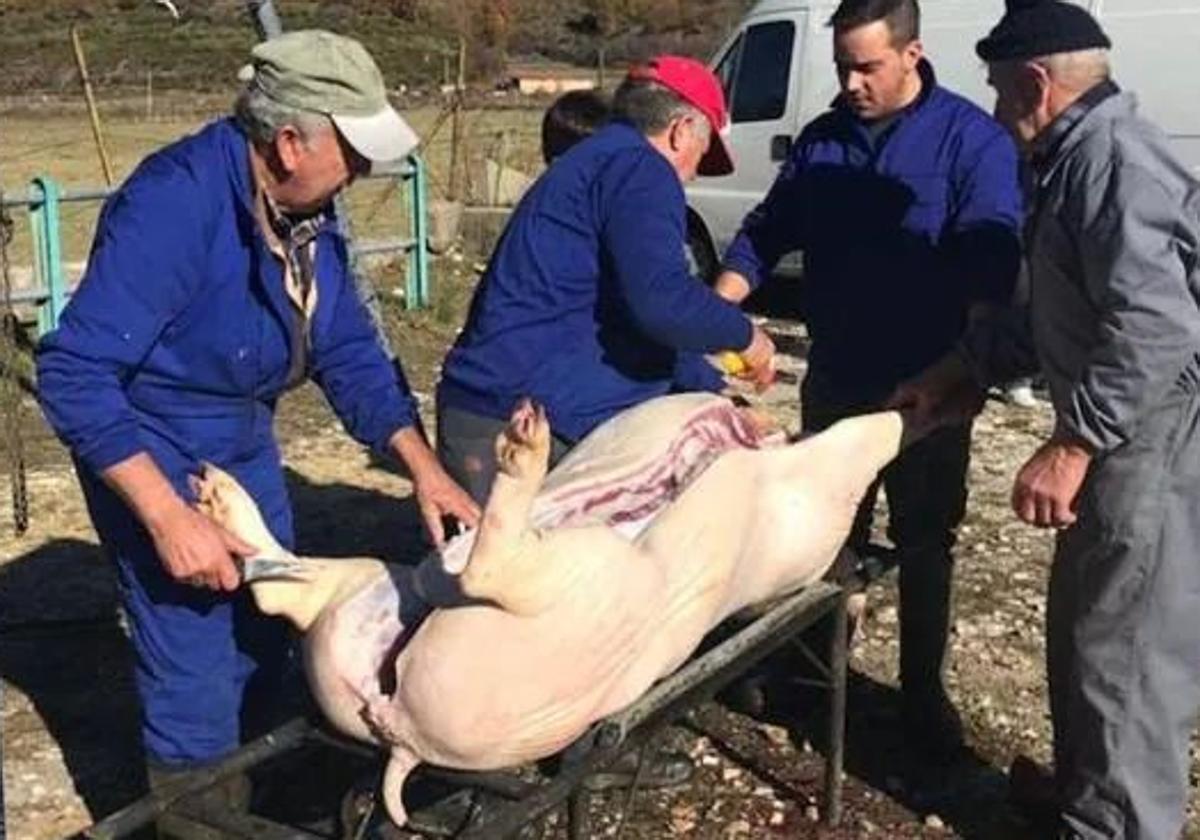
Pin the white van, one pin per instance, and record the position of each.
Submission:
(778, 73)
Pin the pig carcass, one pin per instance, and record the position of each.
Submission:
(578, 590)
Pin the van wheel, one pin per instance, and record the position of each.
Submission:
(701, 256)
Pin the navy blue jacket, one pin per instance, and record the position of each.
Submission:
(899, 237)
(587, 302)
(178, 340)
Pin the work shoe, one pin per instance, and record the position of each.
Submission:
(933, 731)
(1031, 793)
(662, 770)
(1021, 395)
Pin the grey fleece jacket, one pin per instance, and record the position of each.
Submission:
(1112, 243)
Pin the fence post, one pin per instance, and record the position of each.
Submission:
(416, 292)
(47, 251)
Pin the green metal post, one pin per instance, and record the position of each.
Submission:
(416, 292)
(47, 252)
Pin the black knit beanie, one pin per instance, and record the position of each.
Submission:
(1033, 28)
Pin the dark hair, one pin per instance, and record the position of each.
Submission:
(647, 105)
(903, 17)
(572, 117)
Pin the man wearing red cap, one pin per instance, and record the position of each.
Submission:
(588, 302)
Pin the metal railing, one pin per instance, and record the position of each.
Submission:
(50, 290)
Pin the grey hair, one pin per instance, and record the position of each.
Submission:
(650, 107)
(261, 117)
(1078, 70)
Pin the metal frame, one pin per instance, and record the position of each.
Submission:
(188, 816)
(51, 290)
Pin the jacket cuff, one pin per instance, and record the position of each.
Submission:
(387, 424)
(116, 445)
(745, 267)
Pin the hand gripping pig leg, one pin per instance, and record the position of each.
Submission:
(224, 501)
(503, 561)
(282, 584)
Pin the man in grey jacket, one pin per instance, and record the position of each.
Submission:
(1113, 238)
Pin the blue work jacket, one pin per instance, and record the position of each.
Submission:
(900, 235)
(588, 303)
(179, 339)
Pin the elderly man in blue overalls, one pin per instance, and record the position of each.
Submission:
(217, 281)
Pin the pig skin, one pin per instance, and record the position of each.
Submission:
(579, 589)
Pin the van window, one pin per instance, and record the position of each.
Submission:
(763, 66)
(726, 69)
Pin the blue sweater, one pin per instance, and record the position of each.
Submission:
(899, 236)
(588, 302)
(178, 340)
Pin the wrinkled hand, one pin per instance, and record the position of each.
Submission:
(1047, 487)
(943, 394)
(759, 359)
(438, 495)
(197, 551)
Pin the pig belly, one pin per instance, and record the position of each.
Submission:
(354, 642)
(481, 688)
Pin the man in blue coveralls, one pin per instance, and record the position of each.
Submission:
(588, 305)
(905, 201)
(216, 282)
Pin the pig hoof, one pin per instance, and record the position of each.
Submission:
(523, 448)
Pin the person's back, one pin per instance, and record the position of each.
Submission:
(545, 323)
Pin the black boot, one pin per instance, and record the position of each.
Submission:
(932, 726)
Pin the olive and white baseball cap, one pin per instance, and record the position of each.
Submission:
(314, 70)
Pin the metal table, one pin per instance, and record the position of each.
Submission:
(516, 802)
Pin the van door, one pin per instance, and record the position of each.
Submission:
(760, 70)
(1154, 42)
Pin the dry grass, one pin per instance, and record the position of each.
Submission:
(61, 146)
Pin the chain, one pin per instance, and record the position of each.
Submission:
(10, 385)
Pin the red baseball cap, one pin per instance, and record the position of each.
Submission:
(696, 85)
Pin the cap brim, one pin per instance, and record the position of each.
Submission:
(717, 160)
(380, 138)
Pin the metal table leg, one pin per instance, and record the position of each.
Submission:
(838, 655)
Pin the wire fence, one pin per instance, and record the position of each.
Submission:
(499, 153)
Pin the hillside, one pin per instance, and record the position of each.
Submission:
(128, 41)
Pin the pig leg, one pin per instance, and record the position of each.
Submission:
(224, 501)
(381, 717)
(503, 561)
(310, 584)
(399, 765)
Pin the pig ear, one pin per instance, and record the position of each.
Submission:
(399, 766)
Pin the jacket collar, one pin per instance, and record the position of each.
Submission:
(1053, 141)
(236, 150)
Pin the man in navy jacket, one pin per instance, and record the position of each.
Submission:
(216, 282)
(905, 201)
(588, 300)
